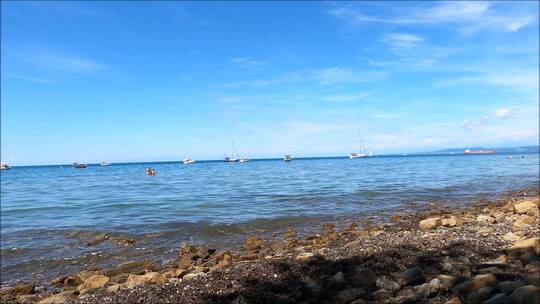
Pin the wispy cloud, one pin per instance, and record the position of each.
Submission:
(520, 80)
(335, 75)
(403, 40)
(246, 62)
(67, 63)
(30, 78)
(474, 15)
(346, 97)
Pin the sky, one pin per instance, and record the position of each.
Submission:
(151, 81)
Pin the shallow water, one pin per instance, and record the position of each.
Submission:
(49, 213)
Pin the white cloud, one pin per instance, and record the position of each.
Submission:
(246, 63)
(503, 113)
(30, 78)
(346, 98)
(472, 15)
(403, 40)
(335, 75)
(64, 63)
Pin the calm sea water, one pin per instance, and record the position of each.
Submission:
(49, 213)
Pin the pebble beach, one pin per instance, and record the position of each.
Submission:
(488, 253)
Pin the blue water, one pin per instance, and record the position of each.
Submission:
(48, 213)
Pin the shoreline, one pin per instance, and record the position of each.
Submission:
(321, 267)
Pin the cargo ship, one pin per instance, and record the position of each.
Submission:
(479, 151)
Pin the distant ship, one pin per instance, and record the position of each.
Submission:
(4, 166)
(104, 164)
(188, 161)
(468, 151)
(287, 157)
(79, 166)
(238, 158)
(362, 153)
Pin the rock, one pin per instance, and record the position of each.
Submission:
(352, 227)
(520, 225)
(191, 276)
(509, 286)
(531, 278)
(482, 218)
(500, 260)
(480, 295)
(328, 227)
(196, 255)
(253, 243)
(447, 281)
(353, 244)
(492, 269)
(151, 277)
(93, 282)
(382, 295)
(120, 278)
(454, 300)
(406, 295)
(387, 284)
(410, 276)
(510, 236)
(499, 298)
(139, 267)
(426, 290)
(525, 207)
(58, 281)
(395, 218)
(338, 280)
(449, 221)
(58, 298)
(18, 290)
(528, 294)
(85, 274)
(304, 256)
(114, 288)
(175, 273)
(499, 217)
(365, 278)
(429, 223)
(533, 266)
(291, 233)
(349, 295)
(70, 283)
(475, 283)
(527, 248)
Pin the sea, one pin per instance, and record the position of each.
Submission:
(51, 214)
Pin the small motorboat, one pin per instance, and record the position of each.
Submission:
(104, 164)
(4, 166)
(231, 160)
(287, 157)
(79, 166)
(357, 155)
(244, 160)
(188, 161)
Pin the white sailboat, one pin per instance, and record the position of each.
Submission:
(104, 164)
(287, 157)
(232, 159)
(4, 166)
(188, 161)
(362, 153)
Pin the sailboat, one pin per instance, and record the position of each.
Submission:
(104, 164)
(362, 153)
(231, 159)
(287, 157)
(188, 161)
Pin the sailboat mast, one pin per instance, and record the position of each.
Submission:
(363, 148)
(236, 151)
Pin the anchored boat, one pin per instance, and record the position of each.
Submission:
(287, 157)
(79, 166)
(188, 161)
(4, 166)
(362, 153)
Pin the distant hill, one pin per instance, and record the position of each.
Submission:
(524, 149)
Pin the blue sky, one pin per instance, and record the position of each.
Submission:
(141, 81)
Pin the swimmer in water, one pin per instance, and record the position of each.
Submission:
(150, 171)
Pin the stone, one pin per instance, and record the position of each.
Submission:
(520, 225)
(528, 220)
(304, 256)
(447, 281)
(85, 274)
(499, 298)
(509, 286)
(353, 244)
(70, 283)
(291, 233)
(429, 223)
(395, 218)
(120, 278)
(449, 221)
(136, 267)
(531, 278)
(58, 281)
(328, 227)
(339, 280)
(191, 276)
(175, 273)
(499, 217)
(492, 269)
(151, 278)
(533, 266)
(427, 290)
(114, 288)
(475, 283)
(58, 298)
(387, 284)
(528, 248)
(524, 207)
(349, 295)
(253, 243)
(454, 300)
(480, 295)
(18, 290)
(93, 282)
(510, 236)
(382, 295)
(406, 295)
(352, 227)
(482, 218)
(410, 276)
(365, 278)
(528, 294)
